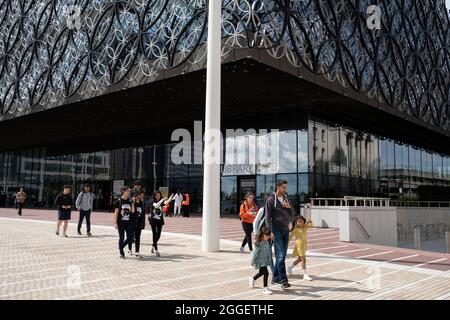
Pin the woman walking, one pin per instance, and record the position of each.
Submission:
(156, 219)
(138, 222)
(123, 219)
(247, 214)
(64, 202)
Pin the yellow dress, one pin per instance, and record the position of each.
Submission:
(300, 234)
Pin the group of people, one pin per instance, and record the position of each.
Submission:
(271, 226)
(84, 204)
(130, 212)
(129, 219)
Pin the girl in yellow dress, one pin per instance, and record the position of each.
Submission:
(300, 231)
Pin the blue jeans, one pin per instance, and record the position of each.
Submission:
(281, 243)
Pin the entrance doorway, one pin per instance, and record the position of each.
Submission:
(246, 184)
(102, 190)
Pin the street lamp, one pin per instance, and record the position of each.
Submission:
(211, 163)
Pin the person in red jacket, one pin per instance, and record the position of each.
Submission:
(247, 213)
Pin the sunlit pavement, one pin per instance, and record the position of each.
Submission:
(324, 241)
(37, 264)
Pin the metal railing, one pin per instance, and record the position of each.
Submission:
(361, 227)
(421, 204)
(351, 202)
(376, 202)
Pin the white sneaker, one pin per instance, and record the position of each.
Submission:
(153, 249)
(157, 253)
(241, 249)
(289, 270)
(251, 282)
(129, 252)
(307, 277)
(266, 290)
(138, 255)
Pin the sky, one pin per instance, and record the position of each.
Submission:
(447, 2)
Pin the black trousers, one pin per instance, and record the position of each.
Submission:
(156, 230)
(20, 208)
(125, 228)
(248, 229)
(137, 239)
(87, 215)
(185, 210)
(263, 272)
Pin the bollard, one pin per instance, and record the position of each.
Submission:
(417, 238)
(447, 241)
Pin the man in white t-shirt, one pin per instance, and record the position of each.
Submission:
(178, 198)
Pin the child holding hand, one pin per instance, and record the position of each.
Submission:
(300, 232)
(261, 257)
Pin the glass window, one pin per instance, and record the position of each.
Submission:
(447, 167)
(265, 184)
(102, 168)
(240, 155)
(292, 183)
(437, 166)
(303, 187)
(415, 164)
(228, 195)
(342, 152)
(268, 153)
(334, 157)
(302, 152)
(288, 151)
(401, 162)
(196, 192)
(291, 186)
(427, 165)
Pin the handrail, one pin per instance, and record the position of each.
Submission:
(361, 227)
(351, 201)
(375, 202)
(412, 203)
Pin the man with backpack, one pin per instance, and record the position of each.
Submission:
(278, 212)
(85, 203)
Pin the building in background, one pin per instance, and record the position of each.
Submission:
(357, 111)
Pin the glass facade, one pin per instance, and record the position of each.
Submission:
(346, 162)
(319, 160)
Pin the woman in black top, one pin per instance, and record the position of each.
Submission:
(138, 222)
(156, 219)
(123, 219)
(64, 202)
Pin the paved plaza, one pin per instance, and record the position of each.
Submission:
(36, 264)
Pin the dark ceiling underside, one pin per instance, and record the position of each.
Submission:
(148, 114)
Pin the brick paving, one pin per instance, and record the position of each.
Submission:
(36, 264)
(319, 240)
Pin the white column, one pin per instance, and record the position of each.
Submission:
(211, 171)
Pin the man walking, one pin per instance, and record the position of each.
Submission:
(84, 205)
(178, 199)
(278, 211)
(21, 196)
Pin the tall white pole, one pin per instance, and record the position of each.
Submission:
(211, 171)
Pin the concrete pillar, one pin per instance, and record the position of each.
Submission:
(212, 155)
(417, 238)
(447, 241)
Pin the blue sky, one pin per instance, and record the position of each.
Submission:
(448, 3)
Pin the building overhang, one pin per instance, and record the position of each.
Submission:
(253, 82)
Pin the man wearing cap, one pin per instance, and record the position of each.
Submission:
(84, 204)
